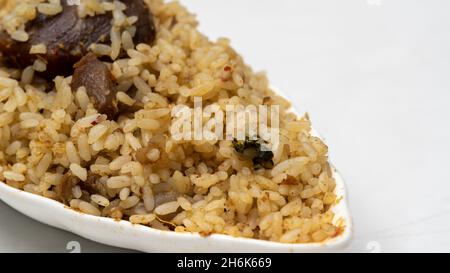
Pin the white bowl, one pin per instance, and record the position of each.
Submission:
(126, 235)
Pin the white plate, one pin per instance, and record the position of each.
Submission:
(126, 235)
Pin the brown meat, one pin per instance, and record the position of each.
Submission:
(145, 27)
(64, 190)
(68, 37)
(92, 185)
(95, 76)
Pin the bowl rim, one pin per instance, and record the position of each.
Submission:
(335, 243)
(341, 210)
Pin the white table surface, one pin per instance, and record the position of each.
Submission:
(375, 77)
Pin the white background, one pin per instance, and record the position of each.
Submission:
(375, 77)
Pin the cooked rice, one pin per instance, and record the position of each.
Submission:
(39, 65)
(14, 14)
(142, 174)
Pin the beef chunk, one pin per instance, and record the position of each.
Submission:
(64, 190)
(95, 76)
(68, 37)
(93, 185)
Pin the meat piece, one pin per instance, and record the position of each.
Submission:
(95, 76)
(64, 190)
(68, 37)
(145, 27)
(92, 185)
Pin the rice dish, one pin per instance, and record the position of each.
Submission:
(112, 154)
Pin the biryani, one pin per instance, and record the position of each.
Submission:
(87, 91)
